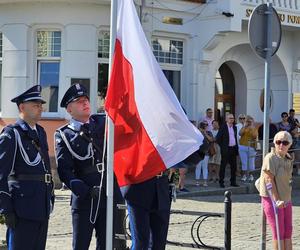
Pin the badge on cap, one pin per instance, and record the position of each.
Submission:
(77, 85)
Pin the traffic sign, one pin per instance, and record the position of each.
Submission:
(257, 30)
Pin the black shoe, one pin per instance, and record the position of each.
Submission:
(234, 185)
(222, 185)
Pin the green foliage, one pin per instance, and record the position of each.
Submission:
(176, 178)
(1, 219)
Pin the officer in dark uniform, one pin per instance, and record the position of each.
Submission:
(148, 205)
(79, 153)
(26, 187)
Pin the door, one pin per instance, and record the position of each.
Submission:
(224, 93)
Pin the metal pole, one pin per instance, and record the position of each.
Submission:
(227, 218)
(141, 10)
(269, 13)
(110, 139)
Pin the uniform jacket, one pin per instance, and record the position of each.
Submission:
(29, 199)
(70, 168)
(223, 139)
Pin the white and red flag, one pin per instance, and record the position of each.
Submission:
(152, 132)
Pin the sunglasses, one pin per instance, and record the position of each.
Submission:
(285, 116)
(284, 143)
(242, 118)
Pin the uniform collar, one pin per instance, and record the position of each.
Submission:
(24, 126)
(75, 125)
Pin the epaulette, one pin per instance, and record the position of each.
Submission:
(63, 127)
(10, 126)
(98, 117)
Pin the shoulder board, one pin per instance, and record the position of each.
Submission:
(63, 127)
(9, 127)
(98, 117)
(7, 131)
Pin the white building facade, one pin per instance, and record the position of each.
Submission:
(202, 46)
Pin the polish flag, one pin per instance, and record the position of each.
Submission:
(152, 132)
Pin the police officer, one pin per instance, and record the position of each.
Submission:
(79, 153)
(148, 205)
(26, 187)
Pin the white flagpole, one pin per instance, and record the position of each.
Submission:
(110, 137)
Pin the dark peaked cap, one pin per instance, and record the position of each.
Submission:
(32, 94)
(75, 91)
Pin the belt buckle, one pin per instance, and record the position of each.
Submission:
(100, 167)
(48, 178)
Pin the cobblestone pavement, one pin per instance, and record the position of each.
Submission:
(245, 222)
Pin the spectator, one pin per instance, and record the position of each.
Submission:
(247, 148)
(292, 119)
(209, 119)
(277, 172)
(284, 124)
(202, 166)
(272, 131)
(182, 168)
(295, 123)
(215, 160)
(227, 139)
(239, 125)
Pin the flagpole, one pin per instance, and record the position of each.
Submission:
(110, 137)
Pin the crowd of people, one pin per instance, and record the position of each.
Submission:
(237, 143)
(25, 168)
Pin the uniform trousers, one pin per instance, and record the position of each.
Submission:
(144, 222)
(28, 234)
(83, 229)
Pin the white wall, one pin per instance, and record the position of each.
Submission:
(79, 24)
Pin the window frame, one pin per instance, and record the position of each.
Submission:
(172, 66)
(101, 60)
(37, 61)
(170, 58)
(98, 51)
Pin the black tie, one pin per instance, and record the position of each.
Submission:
(85, 128)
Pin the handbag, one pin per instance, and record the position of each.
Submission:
(211, 149)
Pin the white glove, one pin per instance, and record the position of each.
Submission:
(279, 203)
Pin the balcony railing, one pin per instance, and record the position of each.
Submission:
(291, 5)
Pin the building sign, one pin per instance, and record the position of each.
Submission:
(172, 20)
(288, 19)
(296, 102)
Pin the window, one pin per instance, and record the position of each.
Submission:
(174, 77)
(103, 56)
(103, 44)
(168, 51)
(48, 63)
(0, 70)
(102, 85)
